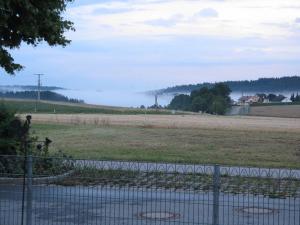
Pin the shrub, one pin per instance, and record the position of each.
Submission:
(16, 142)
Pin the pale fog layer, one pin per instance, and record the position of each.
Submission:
(133, 99)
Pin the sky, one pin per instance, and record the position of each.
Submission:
(151, 44)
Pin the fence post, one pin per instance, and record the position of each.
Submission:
(216, 193)
(29, 191)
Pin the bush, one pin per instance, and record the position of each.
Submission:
(16, 142)
(10, 132)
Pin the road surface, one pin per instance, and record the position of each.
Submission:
(80, 205)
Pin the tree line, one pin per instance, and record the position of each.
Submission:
(260, 85)
(214, 100)
(295, 98)
(45, 95)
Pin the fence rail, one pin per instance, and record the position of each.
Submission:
(61, 191)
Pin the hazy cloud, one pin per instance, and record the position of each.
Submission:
(155, 18)
(207, 12)
(158, 43)
(172, 21)
(103, 11)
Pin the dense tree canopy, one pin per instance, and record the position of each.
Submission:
(31, 22)
(45, 95)
(213, 100)
(260, 85)
(181, 102)
(295, 98)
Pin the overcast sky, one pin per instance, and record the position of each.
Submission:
(150, 44)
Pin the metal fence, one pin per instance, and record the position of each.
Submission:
(59, 191)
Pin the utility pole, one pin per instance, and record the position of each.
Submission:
(39, 85)
(38, 90)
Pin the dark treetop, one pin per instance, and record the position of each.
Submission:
(214, 100)
(30, 22)
(260, 85)
(45, 95)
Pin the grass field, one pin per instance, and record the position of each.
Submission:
(175, 121)
(245, 141)
(292, 111)
(28, 106)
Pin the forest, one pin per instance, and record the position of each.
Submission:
(260, 85)
(214, 100)
(45, 95)
(28, 88)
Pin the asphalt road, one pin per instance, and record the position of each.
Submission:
(57, 205)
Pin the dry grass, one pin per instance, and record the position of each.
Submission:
(289, 111)
(250, 141)
(176, 121)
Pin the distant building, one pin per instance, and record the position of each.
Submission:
(286, 100)
(262, 98)
(247, 100)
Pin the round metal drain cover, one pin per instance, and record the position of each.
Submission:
(257, 210)
(158, 215)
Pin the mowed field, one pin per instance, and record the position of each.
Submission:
(31, 106)
(244, 141)
(289, 111)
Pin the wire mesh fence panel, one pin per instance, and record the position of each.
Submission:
(12, 189)
(66, 191)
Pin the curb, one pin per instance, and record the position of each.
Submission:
(37, 180)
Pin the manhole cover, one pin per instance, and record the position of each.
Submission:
(257, 210)
(158, 215)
